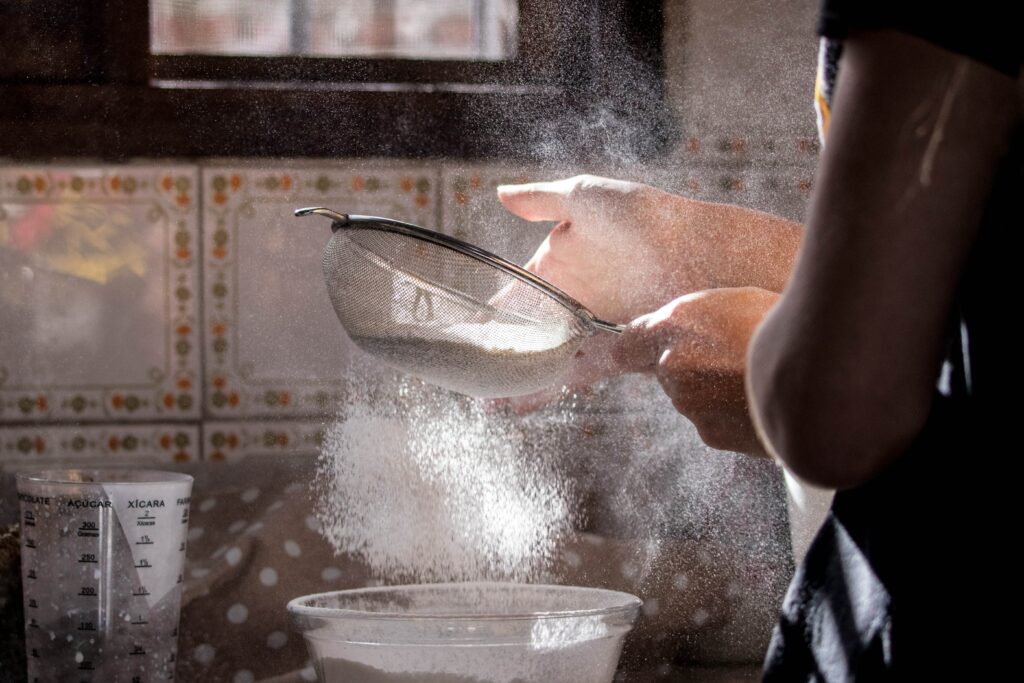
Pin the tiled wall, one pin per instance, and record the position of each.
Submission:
(176, 310)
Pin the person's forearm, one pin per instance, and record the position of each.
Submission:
(754, 249)
(842, 372)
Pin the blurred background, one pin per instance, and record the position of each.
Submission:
(160, 306)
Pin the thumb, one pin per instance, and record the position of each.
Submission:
(642, 343)
(546, 201)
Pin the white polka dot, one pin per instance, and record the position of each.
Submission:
(312, 523)
(330, 574)
(254, 527)
(593, 539)
(733, 590)
(199, 572)
(195, 533)
(268, 576)
(650, 607)
(572, 559)
(276, 505)
(249, 495)
(292, 548)
(218, 552)
(680, 582)
(276, 640)
(207, 504)
(308, 674)
(79, 657)
(244, 676)
(238, 613)
(701, 616)
(294, 487)
(236, 526)
(233, 556)
(204, 653)
(628, 570)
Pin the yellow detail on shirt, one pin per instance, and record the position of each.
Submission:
(821, 105)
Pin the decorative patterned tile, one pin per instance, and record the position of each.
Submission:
(110, 443)
(236, 440)
(98, 305)
(471, 210)
(273, 344)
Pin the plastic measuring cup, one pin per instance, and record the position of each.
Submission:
(103, 553)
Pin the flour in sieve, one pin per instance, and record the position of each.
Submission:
(486, 360)
(440, 490)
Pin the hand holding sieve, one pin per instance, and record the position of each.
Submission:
(448, 311)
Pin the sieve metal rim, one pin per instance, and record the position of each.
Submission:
(341, 221)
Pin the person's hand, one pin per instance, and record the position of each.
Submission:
(697, 348)
(623, 249)
(610, 247)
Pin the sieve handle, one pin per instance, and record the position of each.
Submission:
(321, 211)
(608, 327)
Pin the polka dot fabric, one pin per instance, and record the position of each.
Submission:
(239, 577)
(252, 547)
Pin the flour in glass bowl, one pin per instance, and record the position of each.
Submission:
(432, 487)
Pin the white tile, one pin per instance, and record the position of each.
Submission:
(273, 344)
(98, 303)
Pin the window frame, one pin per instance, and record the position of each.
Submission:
(539, 24)
(133, 104)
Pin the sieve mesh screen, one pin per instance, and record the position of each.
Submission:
(446, 317)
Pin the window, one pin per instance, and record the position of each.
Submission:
(329, 78)
(410, 29)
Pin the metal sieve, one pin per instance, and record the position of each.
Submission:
(447, 311)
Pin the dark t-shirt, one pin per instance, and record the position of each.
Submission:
(985, 30)
(910, 572)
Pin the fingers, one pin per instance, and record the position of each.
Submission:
(538, 201)
(580, 197)
(645, 340)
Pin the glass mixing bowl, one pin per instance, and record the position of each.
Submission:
(466, 633)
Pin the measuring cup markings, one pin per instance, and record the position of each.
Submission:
(118, 555)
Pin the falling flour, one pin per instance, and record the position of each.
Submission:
(440, 490)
